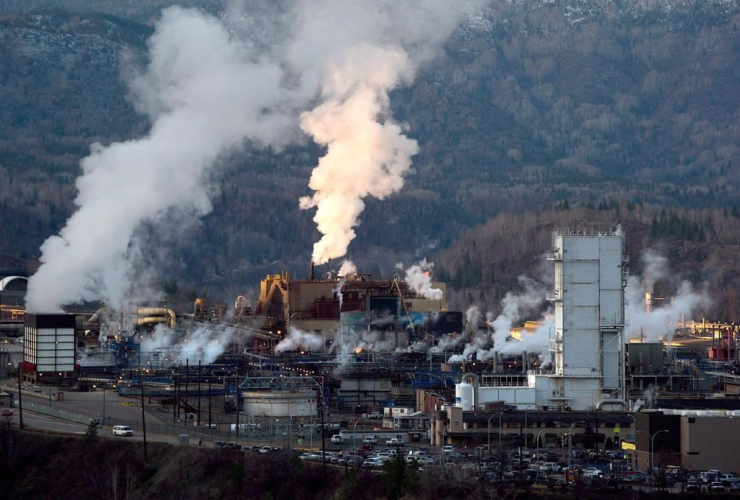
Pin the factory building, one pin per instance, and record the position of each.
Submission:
(347, 305)
(13, 287)
(587, 343)
(692, 439)
(536, 429)
(49, 347)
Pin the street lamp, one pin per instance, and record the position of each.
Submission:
(499, 432)
(570, 440)
(537, 441)
(354, 435)
(652, 448)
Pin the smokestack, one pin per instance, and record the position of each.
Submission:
(312, 271)
(648, 302)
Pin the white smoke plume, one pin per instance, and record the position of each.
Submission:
(298, 339)
(661, 322)
(473, 317)
(205, 93)
(372, 47)
(514, 308)
(203, 344)
(354, 341)
(418, 278)
(348, 267)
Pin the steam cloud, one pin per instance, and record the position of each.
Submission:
(297, 339)
(514, 308)
(381, 47)
(207, 91)
(419, 280)
(203, 344)
(661, 322)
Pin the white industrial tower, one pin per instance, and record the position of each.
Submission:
(588, 342)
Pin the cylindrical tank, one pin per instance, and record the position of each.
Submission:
(464, 396)
(280, 404)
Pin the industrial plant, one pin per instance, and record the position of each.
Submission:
(390, 360)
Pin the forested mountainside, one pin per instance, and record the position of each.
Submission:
(701, 247)
(536, 108)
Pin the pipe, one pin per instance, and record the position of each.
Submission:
(152, 320)
(157, 311)
(607, 401)
(96, 317)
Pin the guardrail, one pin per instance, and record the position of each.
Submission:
(271, 430)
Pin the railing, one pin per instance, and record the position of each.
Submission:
(262, 429)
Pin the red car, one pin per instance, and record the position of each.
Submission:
(7, 413)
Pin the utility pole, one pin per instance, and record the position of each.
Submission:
(210, 372)
(187, 373)
(236, 401)
(323, 437)
(199, 375)
(174, 398)
(20, 397)
(596, 426)
(143, 421)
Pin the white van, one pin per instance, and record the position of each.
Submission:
(122, 430)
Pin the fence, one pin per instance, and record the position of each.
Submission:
(266, 430)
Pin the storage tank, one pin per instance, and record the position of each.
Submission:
(464, 396)
(279, 404)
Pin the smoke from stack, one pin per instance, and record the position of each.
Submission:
(658, 323)
(418, 278)
(298, 339)
(204, 344)
(381, 46)
(205, 93)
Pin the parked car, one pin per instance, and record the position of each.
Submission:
(728, 479)
(265, 449)
(337, 439)
(394, 442)
(693, 486)
(448, 449)
(122, 430)
(717, 487)
(7, 412)
(370, 440)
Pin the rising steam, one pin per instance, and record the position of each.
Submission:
(205, 93)
(204, 344)
(661, 322)
(298, 339)
(367, 152)
(418, 278)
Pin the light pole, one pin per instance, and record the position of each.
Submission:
(570, 440)
(354, 435)
(499, 432)
(652, 448)
(103, 406)
(537, 442)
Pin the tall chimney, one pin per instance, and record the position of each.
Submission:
(311, 275)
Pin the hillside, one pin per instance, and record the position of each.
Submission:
(533, 103)
(701, 246)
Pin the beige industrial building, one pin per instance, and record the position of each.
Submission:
(318, 305)
(693, 439)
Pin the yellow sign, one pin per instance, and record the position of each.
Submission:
(628, 446)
